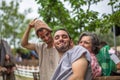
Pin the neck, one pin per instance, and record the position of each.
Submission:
(60, 55)
(50, 45)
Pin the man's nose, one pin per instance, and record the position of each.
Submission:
(46, 38)
(61, 39)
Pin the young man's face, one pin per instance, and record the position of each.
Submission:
(61, 41)
(45, 35)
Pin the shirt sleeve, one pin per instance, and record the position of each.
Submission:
(77, 52)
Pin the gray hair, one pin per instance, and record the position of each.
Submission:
(94, 39)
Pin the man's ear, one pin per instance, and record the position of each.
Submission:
(71, 43)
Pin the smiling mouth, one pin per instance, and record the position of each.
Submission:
(61, 43)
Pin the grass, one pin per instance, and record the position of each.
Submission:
(23, 78)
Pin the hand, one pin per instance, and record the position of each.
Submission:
(3, 69)
(32, 23)
(118, 66)
(14, 68)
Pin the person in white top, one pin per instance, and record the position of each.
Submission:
(114, 57)
(48, 55)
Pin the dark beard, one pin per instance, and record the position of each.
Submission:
(62, 49)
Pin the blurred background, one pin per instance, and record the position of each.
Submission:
(99, 16)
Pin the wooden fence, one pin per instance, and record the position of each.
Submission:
(27, 68)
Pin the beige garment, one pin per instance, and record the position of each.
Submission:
(49, 61)
(1, 77)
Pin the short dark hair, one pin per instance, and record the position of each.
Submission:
(102, 44)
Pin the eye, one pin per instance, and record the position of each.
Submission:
(47, 33)
(80, 42)
(56, 37)
(64, 36)
(87, 42)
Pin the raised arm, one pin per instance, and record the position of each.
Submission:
(24, 41)
(79, 68)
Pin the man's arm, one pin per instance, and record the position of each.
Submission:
(24, 41)
(79, 68)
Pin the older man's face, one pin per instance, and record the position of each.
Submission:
(61, 41)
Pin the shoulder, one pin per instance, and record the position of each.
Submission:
(40, 45)
(77, 51)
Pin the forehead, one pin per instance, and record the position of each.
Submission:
(86, 38)
(60, 32)
(41, 31)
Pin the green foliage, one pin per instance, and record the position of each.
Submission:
(55, 13)
(12, 22)
(108, 37)
(115, 18)
(75, 19)
(20, 50)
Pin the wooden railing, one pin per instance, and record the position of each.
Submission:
(108, 78)
(27, 68)
(26, 71)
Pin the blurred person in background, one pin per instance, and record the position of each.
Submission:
(108, 65)
(112, 53)
(10, 67)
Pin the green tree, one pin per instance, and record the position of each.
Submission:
(12, 22)
(108, 37)
(76, 19)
